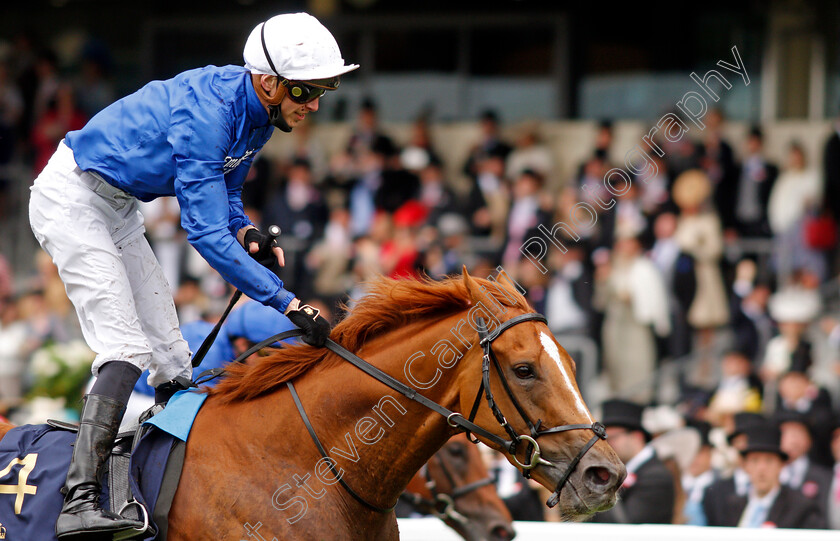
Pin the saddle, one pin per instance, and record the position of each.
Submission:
(142, 490)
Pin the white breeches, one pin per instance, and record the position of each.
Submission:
(94, 234)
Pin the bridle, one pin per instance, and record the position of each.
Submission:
(486, 342)
(453, 418)
(442, 504)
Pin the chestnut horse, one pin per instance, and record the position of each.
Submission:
(455, 486)
(254, 469)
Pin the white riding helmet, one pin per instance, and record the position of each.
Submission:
(295, 46)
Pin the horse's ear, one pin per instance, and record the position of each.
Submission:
(472, 287)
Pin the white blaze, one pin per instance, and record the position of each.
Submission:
(551, 348)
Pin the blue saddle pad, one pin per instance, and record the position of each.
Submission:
(33, 466)
(34, 460)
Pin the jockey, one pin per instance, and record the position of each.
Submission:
(194, 137)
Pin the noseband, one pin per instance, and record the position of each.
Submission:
(533, 449)
(442, 505)
(453, 418)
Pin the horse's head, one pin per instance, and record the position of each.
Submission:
(456, 481)
(533, 388)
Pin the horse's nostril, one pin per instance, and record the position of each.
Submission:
(502, 532)
(599, 476)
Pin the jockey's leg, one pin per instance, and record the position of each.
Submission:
(81, 515)
(158, 317)
(80, 222)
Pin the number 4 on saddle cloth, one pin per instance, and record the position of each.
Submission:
(140, 480)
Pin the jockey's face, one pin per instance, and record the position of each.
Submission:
(294, 113)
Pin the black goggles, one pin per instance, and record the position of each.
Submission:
(304, 92)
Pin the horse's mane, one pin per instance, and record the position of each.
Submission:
(388, 305)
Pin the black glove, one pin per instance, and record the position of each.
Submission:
(315, 328)
(265, 256)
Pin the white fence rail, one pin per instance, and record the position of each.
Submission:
(425, 529)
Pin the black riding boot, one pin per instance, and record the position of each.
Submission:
(82, 517)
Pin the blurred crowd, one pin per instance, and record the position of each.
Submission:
(721, 265)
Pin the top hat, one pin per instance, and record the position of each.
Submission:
(624, 414)
(764, 438)
(791, 416)
(703, 428)
(743, 421)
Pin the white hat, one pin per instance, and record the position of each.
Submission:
(295, 46)
(794, 305)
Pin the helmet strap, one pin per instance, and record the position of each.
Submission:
(275, 115)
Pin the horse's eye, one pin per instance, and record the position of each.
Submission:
(523, 371)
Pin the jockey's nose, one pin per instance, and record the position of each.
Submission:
(313, 105)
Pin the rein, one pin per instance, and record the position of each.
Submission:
(453, 418)
(442, 505)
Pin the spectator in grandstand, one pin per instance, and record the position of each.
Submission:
(362, 194)
(399, 185)
(751, 324)
(191, 301)
(307, 146)
(11, 113)
(434, 192)
(568, 304)
(746, 214)
(739, 388)
(530, 153)
(490, 143)
(628, 214)
(367, 134)
(677, 268)
(831, 175)
(717, 158)
(631, 293)
(488, 199)
(792, 309)
(800, 473)
(798, 393)
(95, 88)
(535, 283)
(681, 154)
(329, 260)
(399, 254)
(526, 213)
(601, 147)
(768, 503)
(452, 249)
(724, 490)
(61, 116)
(699, 475)
(654, 190)
(647, 495)
(48, 82)
(832, 506)
(297, 206)
(420, 148)
(698, 234)
(795, 196)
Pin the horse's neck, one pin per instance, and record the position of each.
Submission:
(392, 435)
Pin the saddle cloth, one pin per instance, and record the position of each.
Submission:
(34, 460)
